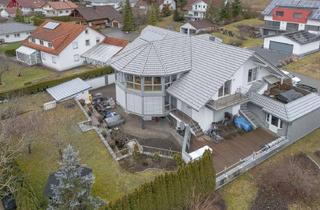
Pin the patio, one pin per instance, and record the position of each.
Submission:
(230, 151)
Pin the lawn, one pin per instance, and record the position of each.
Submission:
(240, 194)
(247, 42)
(9, 46)
(61, 124)
(309, 66)
(256, 5)
(169, 23)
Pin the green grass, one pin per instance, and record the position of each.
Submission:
(168, 22)
(61, 123)
(309, 66)
(240, 193)
(9, 46)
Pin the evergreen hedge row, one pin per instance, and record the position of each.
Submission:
(43, 85)
(10, 52)
(171, 190)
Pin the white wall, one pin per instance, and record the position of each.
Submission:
(153, 105)
(12, 38)
(101, 81)
(134, 103)
(204, 117)
(65, 60)
(121, 97)
(297, 48)
(48, 11)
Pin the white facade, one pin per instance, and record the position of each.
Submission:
(70, 57)
(198, 10)
(298, 49)
(14, 37)
(187, 28)
(48, 11)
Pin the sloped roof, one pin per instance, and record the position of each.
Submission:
(99, 13)
(59, 5)
(9, 28)
(60, 37)
(68, 89)
(102, 52)
(162, 52)
(302, 37)
(290, 111)
(115, 41)
(201, 24)
(312, 4)
(34, 4)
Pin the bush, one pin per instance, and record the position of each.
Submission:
(37, 21)
(177, 16)
(43, 85)
(10, 52)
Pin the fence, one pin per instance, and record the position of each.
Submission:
(101, 81)
(165, 153)
(232, 172)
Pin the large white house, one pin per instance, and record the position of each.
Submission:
(58, 8)
(288, 16)
(15, 32)
(58, 45)
(165, 73)
(196, 9)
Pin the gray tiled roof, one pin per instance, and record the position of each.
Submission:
(9, 28)
(161, 52)
(288, 112)
(313, 4)
(302, 37)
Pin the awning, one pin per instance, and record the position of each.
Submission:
(26, 50)
(270, 79)
(68, 89)
(102, 53)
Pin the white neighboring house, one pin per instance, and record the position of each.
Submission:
(297, 43)
(58, 8)
(8, 12)
(117, 4)
(286, 16)
(14, 32)
(27, 6)
(197, 26)
(58, 45)
(196, 9)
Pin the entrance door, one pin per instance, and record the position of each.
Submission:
(273, 122)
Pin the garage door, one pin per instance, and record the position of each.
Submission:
(283, 47)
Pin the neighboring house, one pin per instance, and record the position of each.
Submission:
(58, 8)
(101, 54)
(144, 5)
(288, 16)
(15, 32)
(98, 17)
(27, 6)
(58, 45)
(204, 81)
(197, 27)
(298, 43)
(117, 4)
(8, 12)
(170, 3)
(196, 9)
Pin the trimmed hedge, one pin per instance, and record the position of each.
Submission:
(10, 52)
(171, 190)
(43, 85)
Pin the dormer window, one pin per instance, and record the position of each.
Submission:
(280, 13)
(49, 44)
(33, 40)
(41, 42)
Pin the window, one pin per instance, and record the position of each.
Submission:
(97, 41)
(17, 35)
(50, 44)
(280, 13)
(297, 15)
(152, 83)
(225, 89)
(274, 121)
(60, 12)
(41, 42)
(274, 24)
(33, 40)
(88, 42)
(312, 28)
(252, 75)
(54, 60)
(43, 56)
(7, 35)
(75, 45)
(87, 31)
(76, 58)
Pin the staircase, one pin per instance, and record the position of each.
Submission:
(196, 129)
(255, 87)
(249, 116)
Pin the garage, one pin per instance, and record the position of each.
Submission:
(283, 47)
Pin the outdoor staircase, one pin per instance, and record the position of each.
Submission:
(244, 111)
(255, 87)
(196, 129)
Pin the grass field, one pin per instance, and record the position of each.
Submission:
(256, 5)
(234, 27)
(240, 194)
(169, 23)
(61, 123)
(309, 66)
(10, 46)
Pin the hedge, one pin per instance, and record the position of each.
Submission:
(10, 52)
(171, 190)
(43, 85)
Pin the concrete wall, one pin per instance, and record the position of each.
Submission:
(304, 125)
(101, 81)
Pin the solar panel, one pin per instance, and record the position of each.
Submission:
(51, 25)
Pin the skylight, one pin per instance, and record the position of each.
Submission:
(51, 25)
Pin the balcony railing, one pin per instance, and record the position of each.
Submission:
(231, 100)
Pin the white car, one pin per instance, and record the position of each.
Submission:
(295, 80)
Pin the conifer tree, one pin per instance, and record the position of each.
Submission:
(19, 16)
(153, 15)
(73, 189)
(236, 8)
(128, 19)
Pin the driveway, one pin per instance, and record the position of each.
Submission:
(308, 80)
(113, 32)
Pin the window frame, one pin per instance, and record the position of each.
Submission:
(253, 72)
(223, 88)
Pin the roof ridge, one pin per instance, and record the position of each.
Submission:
(144, 66)
(160, 59)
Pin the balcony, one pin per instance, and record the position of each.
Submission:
(228, 101)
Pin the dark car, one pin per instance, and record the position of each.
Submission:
(308, 88)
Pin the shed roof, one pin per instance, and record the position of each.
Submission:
(160, 52)
(290, 111)
(9, 28)
(201, 24)
(60, 5)
(102, 52)
(68, 89)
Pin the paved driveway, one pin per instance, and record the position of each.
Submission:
(113, 32)
(308, 80)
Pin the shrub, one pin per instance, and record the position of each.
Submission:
(10, 52)
(43, 85)
(37, 21)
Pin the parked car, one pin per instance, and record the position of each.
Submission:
(113, 119)
(308, 88)
(295, 80)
